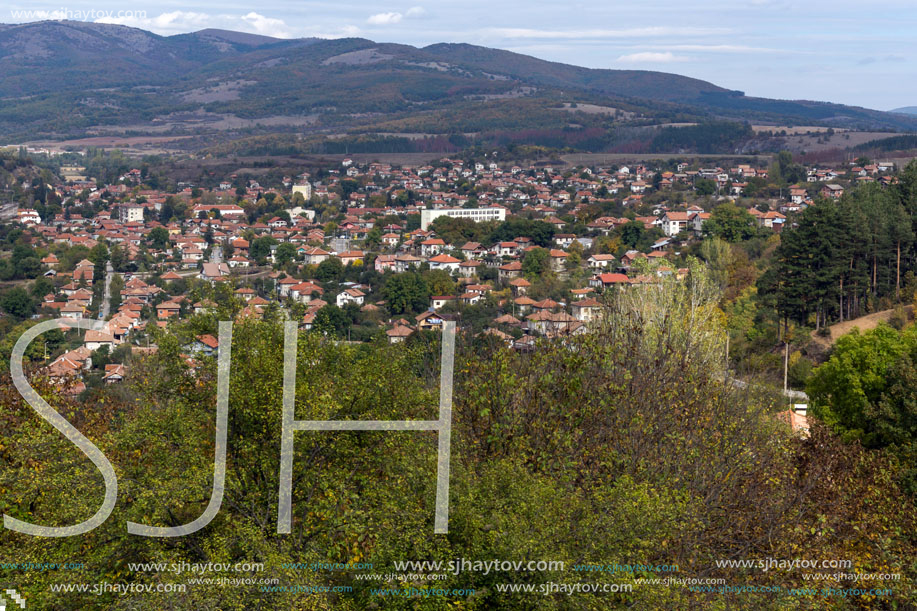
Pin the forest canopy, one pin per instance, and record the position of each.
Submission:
(623, 446)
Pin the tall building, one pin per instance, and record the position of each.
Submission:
(130, 213)
(305, 188)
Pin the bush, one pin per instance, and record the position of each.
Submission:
(898, 318)
(799, 370)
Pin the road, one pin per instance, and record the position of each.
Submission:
(106, 296)
(8, 212)
(798, 395)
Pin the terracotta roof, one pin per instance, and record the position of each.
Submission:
(98, 336)
(497, 333)
(507, 319)
(613, 279)
(544, 315)
(399, 331)
(545, 304)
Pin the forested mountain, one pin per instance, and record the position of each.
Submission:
(65, 78)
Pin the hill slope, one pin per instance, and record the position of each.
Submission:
(627, 83)
(65, 78)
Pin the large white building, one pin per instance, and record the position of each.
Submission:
(225, 210)
(475, 214)
(303, 187)
(130, 213)
(300, 211)
(28, 216)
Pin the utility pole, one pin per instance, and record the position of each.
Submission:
(786, 364)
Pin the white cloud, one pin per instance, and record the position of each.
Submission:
(268, 26)
(176, 22)
(729, 48)
(651, 57)
(599, 33)
(392, 18)
(348, 31)
(179, 22)
(385, 19)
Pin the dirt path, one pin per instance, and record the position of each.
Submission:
(863, 323)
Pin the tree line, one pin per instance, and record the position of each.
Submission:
(845, 258)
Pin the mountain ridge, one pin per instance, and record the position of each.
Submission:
(65, 78)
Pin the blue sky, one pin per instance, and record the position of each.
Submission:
(840, 51)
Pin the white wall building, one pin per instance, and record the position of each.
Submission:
(28, 216)
(305, 188)
(475, 214)
(130, 213)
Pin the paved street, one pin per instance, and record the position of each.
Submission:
(106, 296)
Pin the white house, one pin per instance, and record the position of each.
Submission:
(314, 256)
(72, 310)
(698, 220)
(432, 246)
(446, 262)
(96, 339)
(214, 271)
(505, 249)
(350, 296)
(674, 223)
(437, 302)
(586, 310)
(600, 261)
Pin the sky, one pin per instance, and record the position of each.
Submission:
(845, 51)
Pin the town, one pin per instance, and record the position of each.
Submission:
(370, 250)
